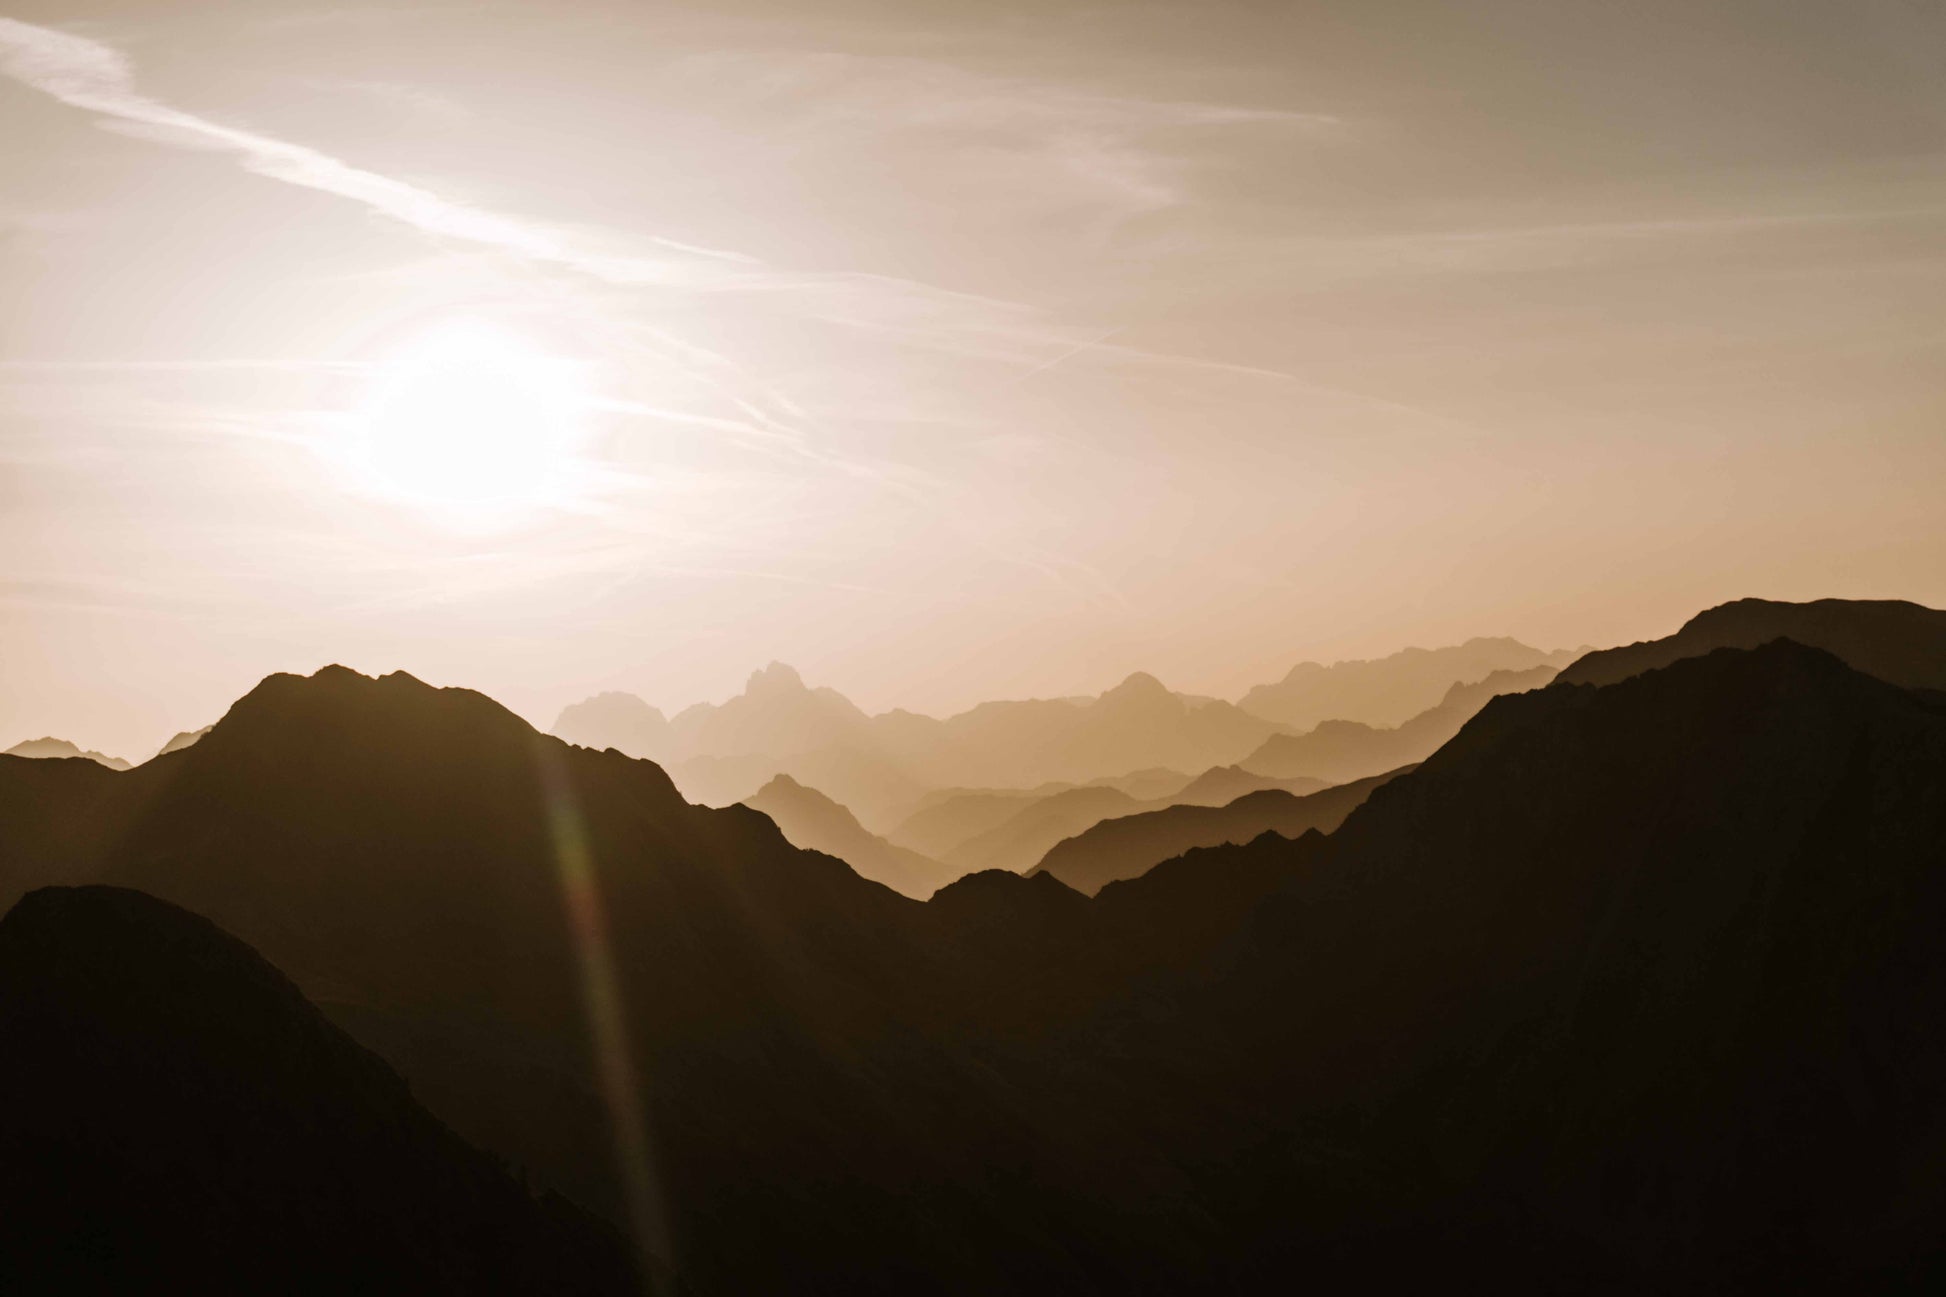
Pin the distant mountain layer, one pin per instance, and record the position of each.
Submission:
(813, 821)
(1013, 831)
(876, 765)
(1131, 845)
(1388, 691)
(174, 1116)
(1341, 751)
(947, 817)
(186, 738)
(44, 749)
(1902, 642)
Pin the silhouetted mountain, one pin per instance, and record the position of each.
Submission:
(1388, 691)
(1221, 785)
(174, 1116)
(1648, 975)
(1625, 989)
(1340, 751)
(523, 928)
(1902, 642)
(177, 743)
(948, 817)
(57, 749)
(1025, 836)
(813, 821)
(871, 785)
(616, 720)
(1131, 845)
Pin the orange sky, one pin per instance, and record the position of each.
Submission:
(952, 351)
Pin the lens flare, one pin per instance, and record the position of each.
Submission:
(602, 1002)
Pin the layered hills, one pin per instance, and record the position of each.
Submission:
(1340, 751)
(1129, 846)
(813, 821)
(1625, 988)
(1386, 692)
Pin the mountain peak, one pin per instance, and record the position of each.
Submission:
(775, 678)
(1141, 686)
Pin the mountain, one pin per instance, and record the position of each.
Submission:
(1025, 836)
(1626, 988)
(1693, 1049)
(813, 821)
(44, 749)
(879, 766)
(668, 1013)
(615, 720)
(1902, 642)
(174, 1115)
(1388, 691)
(871, 785)
(1131, 845)
(184, 739)
(777, 714)
(1221, 785)
(1341, 751)
(947, 817)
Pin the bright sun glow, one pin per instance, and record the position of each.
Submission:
(473, 421)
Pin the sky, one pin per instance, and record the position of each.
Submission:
(947, 351)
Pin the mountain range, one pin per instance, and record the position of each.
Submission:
(880, 766)
(1130, 845)
(813, 821)
(58, 749)
(1628, 987)
(1341, 751)
(1386, 692)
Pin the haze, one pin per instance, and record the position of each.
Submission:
(949, 351)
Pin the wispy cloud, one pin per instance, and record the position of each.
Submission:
(97, 78)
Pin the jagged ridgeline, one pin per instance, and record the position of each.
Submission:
(1631, 986)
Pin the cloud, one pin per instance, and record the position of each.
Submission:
(88, 75)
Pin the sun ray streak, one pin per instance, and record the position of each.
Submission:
(602, 1002)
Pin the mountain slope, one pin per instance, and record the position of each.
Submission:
(1388, 691)
(814, 822)
(615, 720)
(666, 1011)
(1131, 845)
(1652, 967)
(173, 1114)
(1339, 751)
(1902, 642)
(1025, 836)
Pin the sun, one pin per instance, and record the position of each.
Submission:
(473, 421)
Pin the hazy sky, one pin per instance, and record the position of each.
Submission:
(956, 350)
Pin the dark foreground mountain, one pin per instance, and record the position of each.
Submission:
(1892, 639)
(1625, 989)
(814, 822)
(1653, 969)
(174, 1116)
(1340, 751)
(1131, 845)
(747, 1052)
